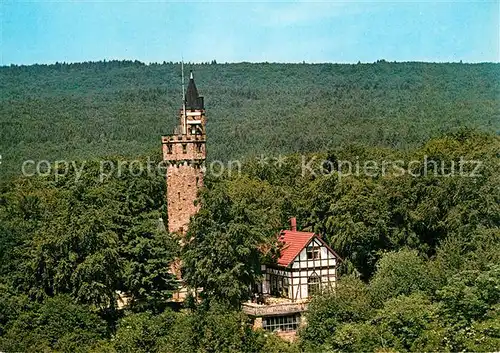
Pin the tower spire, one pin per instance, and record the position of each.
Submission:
(193, 100)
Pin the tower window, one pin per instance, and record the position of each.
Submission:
(198, 147)
(184, 148)
(169, 149)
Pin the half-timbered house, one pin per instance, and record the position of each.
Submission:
(306, 266)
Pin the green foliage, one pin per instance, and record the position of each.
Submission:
(140, 332)
(224, 330)
(403, 320)
(89, 110)
(355, 337)
(362, 216)
(11, 306)
(469, 295)
(485, 334)
(90, 238)
(428, 246)
(348, 303)
(402, 272)
(183, 336)
(461, 315)
(149, 253)
(214, 329)
(274, 344)
(473, 251)
(238, 218)
(57, 324)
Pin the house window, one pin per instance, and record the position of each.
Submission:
(184, 148)
(281, 323)
(279, 285)
(313, 285)
(313, 253)
(276, 284)
(286, 286)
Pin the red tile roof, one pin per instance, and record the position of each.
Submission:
(293, 243)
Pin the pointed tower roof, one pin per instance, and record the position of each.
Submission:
(193, 100)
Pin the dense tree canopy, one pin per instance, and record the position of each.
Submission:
(96, 109)
(418, 231)
(224, 250)
(87, 238)
(422, 252)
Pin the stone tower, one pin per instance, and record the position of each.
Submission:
(184, 153)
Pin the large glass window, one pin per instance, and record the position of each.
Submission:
(281, 323)
(279, 285)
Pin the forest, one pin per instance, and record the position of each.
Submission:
(420, 248)
(420, 271)
(96, 109)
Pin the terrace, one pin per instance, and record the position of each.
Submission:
(275, 306)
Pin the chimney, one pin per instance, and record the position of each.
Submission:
(293, 224)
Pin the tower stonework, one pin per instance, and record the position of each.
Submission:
(184, 153)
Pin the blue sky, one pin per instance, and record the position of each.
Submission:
(154, 31)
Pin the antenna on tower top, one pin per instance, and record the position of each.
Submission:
(182, 73)
(183, 99)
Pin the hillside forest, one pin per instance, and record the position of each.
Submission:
(420, 242)
(97, 109)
